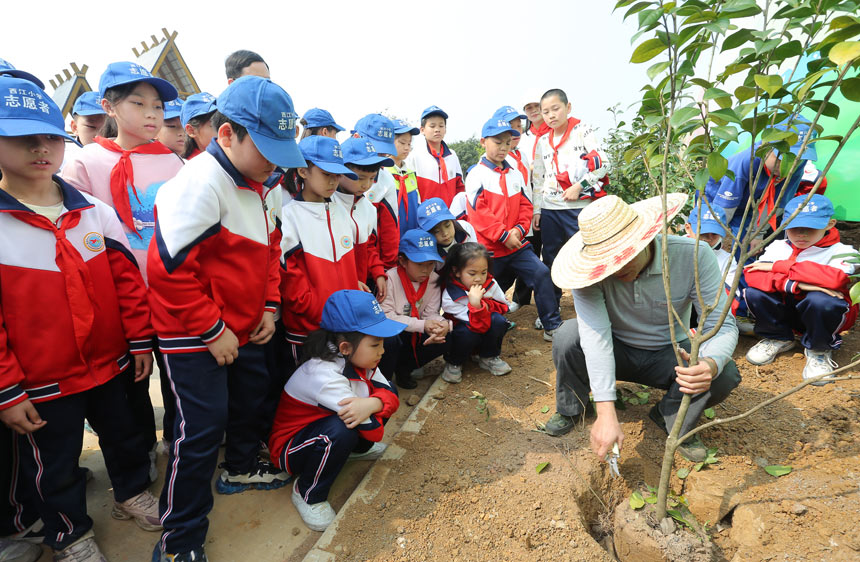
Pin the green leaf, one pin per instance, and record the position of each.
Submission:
(710, 413)
(736, 39)
(648, 18)
(637, 7)
(682, 115)
(725, 133)
(713, 93)
(787, 50)
(854, 293)
(829, 109)
(683, 473)
(643, 396)
(777, 470)
(717, 165)
(787, 162)
(701, 179)
(851, 89)
(656, 69)
(769, 83)
(743, 93)
(540, 468)
(698, 466)
(652, 499)
(647, 50)
(727, 114)
(843, 21)
(844, 52)
(676, 515)
(636, 501)
(544, 410)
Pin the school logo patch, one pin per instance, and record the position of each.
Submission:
(346, 242)
(94, 242)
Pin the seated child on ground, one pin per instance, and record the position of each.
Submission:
(801, 283)
(435, 218)
(413, 297)
(335, 405)
(476, 303)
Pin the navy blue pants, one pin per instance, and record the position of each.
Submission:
(49, 458)
(209, 400)
(818, 316)
(557, 227)
(19, 511)
(399, 357)
(281, 362)
(525, 264)
(464, 341)
(522, 292)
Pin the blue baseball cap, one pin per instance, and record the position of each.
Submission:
(173, 108)
(379, 129)
(356, 311)
(6, 69)
(419, 246)
(119, 73)
(317, 117)
(88, 103)
(325, 153)
(401, 127)
(497, 126)
(28, 110)
(434, 110)
(361, 151)
(800, 125)
(508, 113)
(266, 110)
(709, 220)
(196, 104)
(432, 212)
(816, 214)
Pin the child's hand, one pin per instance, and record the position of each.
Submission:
(225, 349)
(476, 293)
(380, 288)
(515, 239)
(22, 417)
(363, 287)
(536, 221)
(572, 193)
(264, 330)
(142, 366)
(759, 266)
(810, 287)
(355, 410)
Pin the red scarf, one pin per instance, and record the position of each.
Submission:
(79, 284)
(412, 297)
(502, 181)
(562, 178)
(538, 133)
(520, 166)
(443, 169)
(402, 199)
(122, 176)
(766, 205)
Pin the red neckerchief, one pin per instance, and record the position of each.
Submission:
(443, 169)
(501, 170)
(79, 283)
(412, 297)
(194, 152)
(766, 204)
(402, 199)
(571, 123)
(830, 238)
(538, 133)
(122, 176)
(520, 166)
(456, 282)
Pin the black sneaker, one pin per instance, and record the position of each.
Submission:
(693, 449)
(264, 476)
(405, 380)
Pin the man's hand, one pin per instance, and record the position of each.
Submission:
(572, 193)
(696, 378)
(606, 431)
(759, 266)
(142, 366)
(355, 410)
(514, 240)
(810, 287)
(380, 288)
(536, 221)
(225, 349)
(475, 294)
(23, 417)
(264, 330)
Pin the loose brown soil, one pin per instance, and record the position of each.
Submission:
(467, 488)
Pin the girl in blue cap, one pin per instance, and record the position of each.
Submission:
(335, 405)
(196, 120)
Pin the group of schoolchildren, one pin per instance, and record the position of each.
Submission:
(284, 288)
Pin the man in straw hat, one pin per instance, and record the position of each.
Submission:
(621, 332)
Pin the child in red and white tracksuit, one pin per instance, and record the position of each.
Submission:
(436, 165)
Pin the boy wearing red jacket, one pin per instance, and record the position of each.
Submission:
(502, 214)
(436, 165)
(801, 284)
(71, 283)
(214, 286)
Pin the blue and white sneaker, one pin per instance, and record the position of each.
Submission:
(196, 555)
(265, 476)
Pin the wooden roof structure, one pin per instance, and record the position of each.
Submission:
(163, 59)
(68, 86)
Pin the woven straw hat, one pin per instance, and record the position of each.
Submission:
(611, 233)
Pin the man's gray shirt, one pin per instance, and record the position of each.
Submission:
(636, 313)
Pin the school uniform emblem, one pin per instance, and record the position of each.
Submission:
(346, 242)
(94, 242)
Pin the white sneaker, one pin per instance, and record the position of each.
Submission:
(142, 508)
(818, 363)
(84, 549)
(19, 551)
(766, 350)
(513, 307)
(452, 373)
(538, 324)
(418, 373)
(371, 454)
(746, 326)
(496, 365)
(317, 516)
(548, 334)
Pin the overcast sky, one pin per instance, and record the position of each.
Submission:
(354, 58)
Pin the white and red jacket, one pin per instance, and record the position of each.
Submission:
(562, 162)
(214, 259)
(529, 138)
(72, 300)
(439, 175)
(314, 392)
(816, 265)
(496, 203)
(318, 259)
(363, 218)
(386, 238)
(456, 305)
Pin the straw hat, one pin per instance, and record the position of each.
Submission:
(611, 233)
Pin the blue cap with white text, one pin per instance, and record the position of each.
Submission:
(119, 73)
(357, 311)
(401, 127)
(88, 103)
(419, 246)
(317, 117)
(709, 221)
(325, 153)
(508, 113)
(196, 104)
(28, 110)
(379, 129)
(815, 214)
(497, 126)
(6, 69)
(173, 108)
(361, 151)
(433, 110)
(432, 212)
